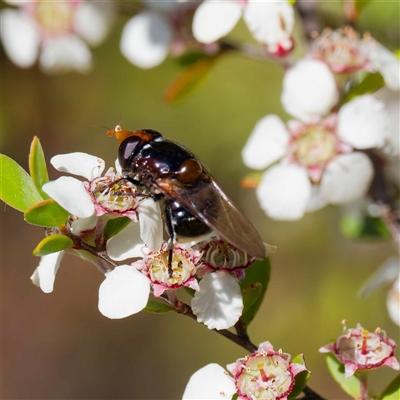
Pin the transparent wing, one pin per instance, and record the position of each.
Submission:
(207, 201)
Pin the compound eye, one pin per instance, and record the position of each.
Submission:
(189, 170)
(126, 150)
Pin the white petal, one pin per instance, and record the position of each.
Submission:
(211, 382)
(309, 90)
(270, 22)
(214, 19)
(347, 178)
(80, 164)
(267, 143)
(20, 37)
(93, 20)
(362, 122)
(384, 61)
(146, 39)
(218, 303)
(64, 54)
(126, 244)
(317, 200)
(151, 224)
(284, 192)
(393, 302)
(124, 292)
(83, 224)
(70, 194)
(45, 273)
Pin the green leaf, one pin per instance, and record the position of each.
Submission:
(189, 291)
(115, 225)
(292, 2)
(37, 166)
(301, 379)
(157, 307)
(52, 244)
(350, 385)
(16, 186)
(250, 294)
(258, 272)
(190, 57)
(392, 391)
(363, 227)
(188, 80)
(47, 213)
(360, 4)
(368, 83)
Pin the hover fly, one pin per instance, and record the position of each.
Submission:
(194, 202)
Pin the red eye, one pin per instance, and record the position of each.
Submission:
(189, 170)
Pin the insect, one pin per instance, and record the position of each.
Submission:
(194, 203)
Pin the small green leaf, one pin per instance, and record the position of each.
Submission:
(52, 244)
(189, 291)
(37, 166)
(301, 379)
(292, 2)
(115, 225)
(157, 307)
(190, 58)
(250, 294)
(16, 186)
(350, 385)
(258, 272)
(188, 80)
(369, 83)
(47, 213)
(392, 391)
(363, 227)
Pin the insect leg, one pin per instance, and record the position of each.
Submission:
(171, 233)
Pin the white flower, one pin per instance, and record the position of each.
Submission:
(270, 22)
(317, 164)
(56, 33)
(147, 37)
(95, 197)
(264, 374)
(218, 304)
(344, 51)
(309, 90)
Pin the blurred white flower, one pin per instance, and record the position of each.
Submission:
(57, 33)
(344, 51)
(270, 22)
(318, 163)
(309, 90)
(264, 374)
(148, 36)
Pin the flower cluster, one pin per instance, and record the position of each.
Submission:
(319, 157)
(211, 268)
(264, 374)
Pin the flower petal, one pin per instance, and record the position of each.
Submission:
(347, 178)
(146, 39)
(210, 382)
(93, 20)
(362, 122)
(309, 90)
(317, 200)
(20, 37)
(45, 273)
(384, 61)
(83, 224)
(126, 244)
(284, 192)
(124, 292)
(218, 304)
(270, 22)
(70, 194)
(80, 164)
(214, 19)
(64, 54)
(267, 143)
(393, 302)
(151, 224)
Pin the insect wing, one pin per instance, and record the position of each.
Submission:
(207, 201)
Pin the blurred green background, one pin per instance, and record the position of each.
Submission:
(59, 346)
